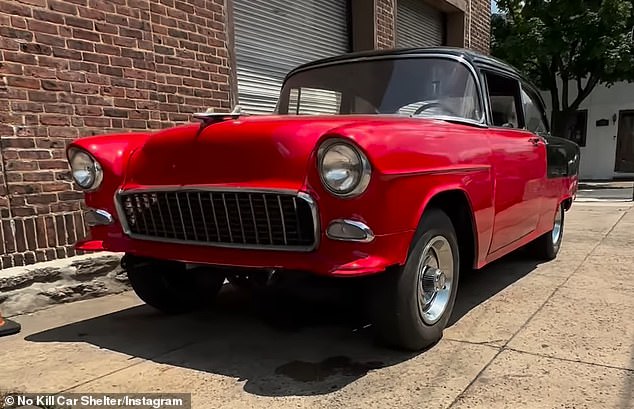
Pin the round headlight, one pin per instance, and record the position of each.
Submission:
(86, 171)
(344, 169)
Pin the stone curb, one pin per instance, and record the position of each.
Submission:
(34, 287)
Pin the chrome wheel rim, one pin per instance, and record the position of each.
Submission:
(556, 234)
(435, 279)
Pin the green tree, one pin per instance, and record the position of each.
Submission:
(582, 42)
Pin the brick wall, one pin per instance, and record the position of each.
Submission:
(71, 68)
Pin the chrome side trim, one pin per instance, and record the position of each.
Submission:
(97, 217)
(300, 195)
(369, 234)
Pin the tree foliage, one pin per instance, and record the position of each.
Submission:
(582, 42)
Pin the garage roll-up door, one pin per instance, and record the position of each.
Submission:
(418, 24)
(274, 36)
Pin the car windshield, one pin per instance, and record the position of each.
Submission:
(424, 86)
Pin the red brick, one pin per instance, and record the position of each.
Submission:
(11, 68)
(22, 58)
(41, 96)
(88, 110)
(39, 72)
(97, 122)
(63, 132)
(12, 7)
(112, 91)
(20, 165)
(34, 48)
(86, 35)
(43, 15)
(83, 66)
(106, 28)
(71, 76)
(55, 85)
(79, 22)
(53, 40)
(80, 45)
(96, 58)
(9, 44)
(85, 88)
(55, 120)
(58, 109)
(92, 14)
(42, 199)
(62, 7)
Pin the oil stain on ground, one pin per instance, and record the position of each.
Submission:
(302, 371)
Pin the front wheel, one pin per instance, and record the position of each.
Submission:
(546, 247)
(169, 286)
(411, 306)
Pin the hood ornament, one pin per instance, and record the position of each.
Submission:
(210, 117)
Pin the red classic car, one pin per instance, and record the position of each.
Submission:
(412, 165)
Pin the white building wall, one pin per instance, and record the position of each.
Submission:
(598, 156)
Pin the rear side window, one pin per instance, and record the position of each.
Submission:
(505, 100)
(535, 118)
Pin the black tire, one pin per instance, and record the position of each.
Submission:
(171, 288)
(394, 295)
(546, 247)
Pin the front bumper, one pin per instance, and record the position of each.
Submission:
(331, 258)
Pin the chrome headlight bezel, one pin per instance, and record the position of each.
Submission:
(95, 169)
(364, 169)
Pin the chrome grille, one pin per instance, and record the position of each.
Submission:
(225, 218)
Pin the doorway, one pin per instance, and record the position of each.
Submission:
(625, 143)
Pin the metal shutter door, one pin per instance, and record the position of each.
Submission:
(274, 36)
(418, 24)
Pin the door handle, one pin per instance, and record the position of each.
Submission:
(535, 140)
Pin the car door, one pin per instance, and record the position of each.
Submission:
(518, 163)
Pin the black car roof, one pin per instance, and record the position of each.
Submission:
(475, 58)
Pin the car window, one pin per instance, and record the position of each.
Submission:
(504, 97)
(535, 121)
(420, 87)
(313, 101)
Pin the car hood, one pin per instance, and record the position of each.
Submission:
(263, 150)
(271, 151)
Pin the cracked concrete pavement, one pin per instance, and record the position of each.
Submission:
(523, 335)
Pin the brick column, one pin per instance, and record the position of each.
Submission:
(385, 23)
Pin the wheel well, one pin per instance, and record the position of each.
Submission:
(456, 205)
(567, 203)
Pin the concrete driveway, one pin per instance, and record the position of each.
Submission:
(524, 335)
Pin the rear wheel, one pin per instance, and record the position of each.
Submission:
(411, 306)
(169, 286)
(546, 247)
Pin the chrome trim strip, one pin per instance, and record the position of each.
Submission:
(255, 224)
(301, 195)
(360, 225)
(279, 203)
(244, 237)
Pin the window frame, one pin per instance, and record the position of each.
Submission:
(473, 69)
(535, 97)
(484, 72)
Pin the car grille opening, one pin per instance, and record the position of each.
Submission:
(237, 219)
